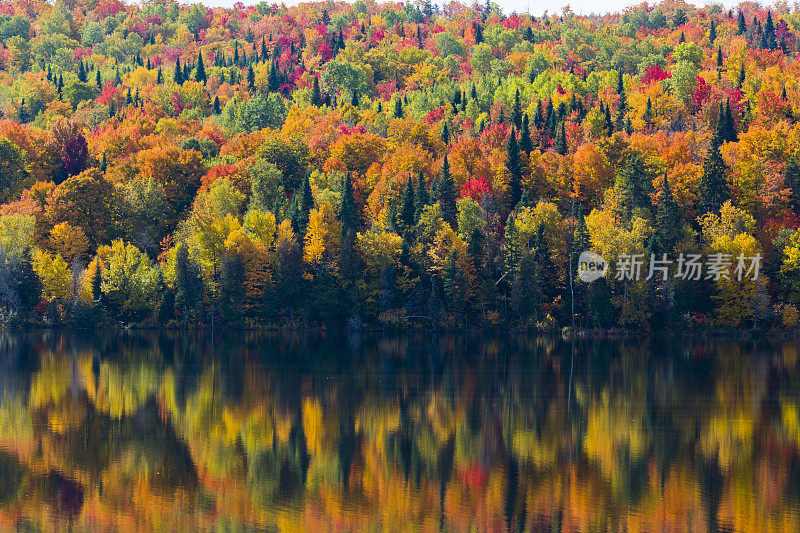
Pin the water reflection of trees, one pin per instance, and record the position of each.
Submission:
(154, 431)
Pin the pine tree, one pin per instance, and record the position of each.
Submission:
(99, 80)
(712, 33)
(316, 95)
(560, 144)
(525, 142)
(251, 78)
(791, 174)
(408, 209)
(713, 185)
(82, 72)
(216, 109)
(668, 219)
(149, 65)
(354, 99)
(188, 285)
(398, 108)
(264, 53)
(768, 38)
(446, 194)
(178, 74)
(682, 38)
(103, 163)
(305, 203)
(348, 212)
(514, 166)
(647, 116)
(272, 78)
(235, 52)
(445, 134)
(719, 57)
(609, 126)
(200, 72)
(742, 75)
(516, 114)
(421, 198)
(742, 24)
(117, 78)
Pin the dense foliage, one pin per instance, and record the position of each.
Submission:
(394, 163)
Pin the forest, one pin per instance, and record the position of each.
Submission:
(382, 165)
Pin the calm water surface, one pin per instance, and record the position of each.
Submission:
(174, 432)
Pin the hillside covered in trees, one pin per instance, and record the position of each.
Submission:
(395, 164)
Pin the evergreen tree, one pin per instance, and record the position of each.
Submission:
(525, 142)
(117, 78)
(398, 108)
(99, 80)
(272, 78)
(742, 24)
(514, 166)
(668, 219)
(408, 207)
(609, 126)
(149, 65)
(445, 194)
(231, 288)
(712, 33)
(200, 71)
(103, 163)
(216, 109)
(188, 285)
(348, 212)
(719, 57)
(713, 185)
(445, 134)
(178, 74)
(305, 203)
(421, 198)
(159, 77)
(560, 144)
(264, 53)
(82, 72)
(791, 174)
(516, 114)
(768, 38)
(316, 95)
(251, 78)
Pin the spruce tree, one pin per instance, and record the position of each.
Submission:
(99, 80)
(216, 109)
(446, 194)
(159, 77)
(713, 185)
(348, 211)
(712, 33)
(791, 173)
(516, 114)
(445, 134)
(560, 144)
(525, 142)
(514, 166)
(398, 108)
(719, 57)
(741, 24)
(407, 208)
(81, 72)
(316, 95)
(200, 72)
(251, 78)
(668, 219)
(421, 198)
(178, 74)
(305, 203)
(768, 38)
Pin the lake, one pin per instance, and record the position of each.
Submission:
(189, 431)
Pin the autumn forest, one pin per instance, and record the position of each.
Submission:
(379, 165)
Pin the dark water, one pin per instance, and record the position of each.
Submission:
(159, 432)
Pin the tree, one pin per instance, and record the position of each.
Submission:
(177, 74)
(768, 38)
(741, 24)
(86, 201)
(713, 184)
(231, 289)
(13, 170)
(408, 209)
(525, 142)
(348, 212)
(200, 72)
(513, 164)
(560, 145)
(668, 219)
(444, 194)
(516, 113)
(316, 95)
(421, 198)
(130, 282)
(69, 242)
(82, 77)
